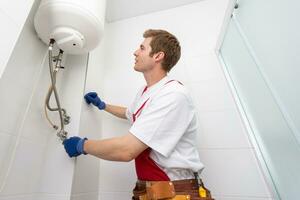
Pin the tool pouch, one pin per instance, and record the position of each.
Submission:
(160, 190)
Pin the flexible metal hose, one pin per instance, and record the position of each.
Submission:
(62, 133)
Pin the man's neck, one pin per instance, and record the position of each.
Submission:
(152, 78)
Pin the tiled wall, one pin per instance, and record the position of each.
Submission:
(13, 15)
(232, 171)
(33, 163)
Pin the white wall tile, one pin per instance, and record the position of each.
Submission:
(17, 82)
(179, 73)
(12, 17)
(36, 127)
(222, 129)
(115, 195)
(121, 93)
(24, 158)
(13, 105)
(242, 198)
(211, 95)
(51, 197)
(86, 196)
(116, 176)
(26, 166)
(120, 81)
(17, 11)
(90, 115)
(9, 36)
(203, 67)
(18, 197)
(57, 169)
(86, 176)
(7, 143)
(233, 172)
(113, 126)
(106, 195)
(122, 195)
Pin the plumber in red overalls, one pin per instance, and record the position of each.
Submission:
(162, 138)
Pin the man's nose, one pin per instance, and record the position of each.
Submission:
(135, 53)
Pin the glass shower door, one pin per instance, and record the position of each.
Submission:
(267, 93)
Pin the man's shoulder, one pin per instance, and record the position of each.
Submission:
(175, 87)
(174, 92)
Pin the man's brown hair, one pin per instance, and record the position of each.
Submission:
(167, 43)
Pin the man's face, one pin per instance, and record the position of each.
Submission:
(144, 62)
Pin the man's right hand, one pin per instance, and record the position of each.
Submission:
(93, 98)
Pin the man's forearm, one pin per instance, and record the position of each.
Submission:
(117, 111)
(108, 149)
(123, 148)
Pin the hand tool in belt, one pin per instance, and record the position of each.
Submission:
(203, 191)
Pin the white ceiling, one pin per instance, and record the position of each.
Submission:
(122, 9)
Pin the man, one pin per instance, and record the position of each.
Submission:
(162, 138)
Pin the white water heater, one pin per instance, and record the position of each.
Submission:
(75, 25)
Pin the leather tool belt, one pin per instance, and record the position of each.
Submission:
(168, 190)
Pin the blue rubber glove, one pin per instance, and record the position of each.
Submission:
(93, 98)
(74, 146)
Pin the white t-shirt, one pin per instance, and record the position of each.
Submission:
(168, 125)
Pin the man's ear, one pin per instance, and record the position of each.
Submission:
(159, 56)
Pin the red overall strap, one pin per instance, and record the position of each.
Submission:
(146, 168)
(139, 110)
